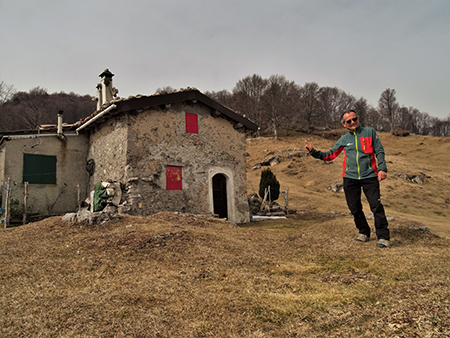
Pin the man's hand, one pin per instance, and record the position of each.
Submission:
(382, 175)
(308, 146)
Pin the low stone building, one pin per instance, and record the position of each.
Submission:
(179, 151)
(51, 162)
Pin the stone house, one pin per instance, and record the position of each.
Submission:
(179, 151)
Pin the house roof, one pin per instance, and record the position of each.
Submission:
(44, 129)
(187, 95)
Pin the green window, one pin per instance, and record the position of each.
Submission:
(39, 169)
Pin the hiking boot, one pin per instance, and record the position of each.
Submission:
(383, 243)
(362, 238)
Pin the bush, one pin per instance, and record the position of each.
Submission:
(268, 179)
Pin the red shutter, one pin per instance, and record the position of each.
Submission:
(173, 178)
(191, 123)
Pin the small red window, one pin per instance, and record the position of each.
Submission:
(173, 178)
(191, 123)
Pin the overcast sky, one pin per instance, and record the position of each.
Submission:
(359, 46)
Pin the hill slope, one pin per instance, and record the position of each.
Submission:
(308, 179)
(175, 275)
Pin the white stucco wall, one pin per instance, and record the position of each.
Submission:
(46, 199)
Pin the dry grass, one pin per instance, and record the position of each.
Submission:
(186, 276)
(308, 179)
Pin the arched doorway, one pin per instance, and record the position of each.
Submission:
(219, 185)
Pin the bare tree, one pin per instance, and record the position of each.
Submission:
(34, 105)
(445, 126)
(332, 103)
(439, 127)
(373, 119)
(415, 116)
(248, 94)
(29, 110)
(424, 124)
(292, 114)
(346, 102)
(309, 101)
(278, 101)
(328, 104)
(6, 92)
(224, 97)
(388, 107)
(405, 118)
(362, 108)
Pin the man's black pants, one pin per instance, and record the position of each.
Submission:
(371, 188)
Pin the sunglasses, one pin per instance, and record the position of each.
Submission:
(352, 120)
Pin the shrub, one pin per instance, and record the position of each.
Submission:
(268, 179)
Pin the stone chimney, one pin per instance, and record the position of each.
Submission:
(60, 133)
(105, 90)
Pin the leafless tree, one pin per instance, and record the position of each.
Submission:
(362, 108)
(373, 119)
(445, 126)
(388, 107)
(24, 111)
(439, 127)
(278, 101)
(34, 105)
(405, 118)
(424, 124)
(309, 100)
(225, 98)
(248, 94)
(346, 102)
(6, 92)
(328, 104)
(416, 117)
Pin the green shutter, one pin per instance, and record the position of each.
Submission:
(39, 169)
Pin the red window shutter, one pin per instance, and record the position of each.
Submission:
(173, 178)
(191, 123)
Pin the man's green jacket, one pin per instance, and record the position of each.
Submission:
(362, 149)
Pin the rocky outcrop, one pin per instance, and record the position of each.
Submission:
(418, 178)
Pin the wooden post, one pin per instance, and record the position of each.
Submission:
(263, 203)
(7, 201)
(78, 197)
(25, 196)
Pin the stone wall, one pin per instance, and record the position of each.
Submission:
(157, 138)
(108, 148)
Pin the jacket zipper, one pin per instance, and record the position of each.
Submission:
(357, 154)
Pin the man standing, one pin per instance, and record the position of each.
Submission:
(361, 145)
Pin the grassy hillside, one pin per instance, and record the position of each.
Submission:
(308, 179)
(180, 275)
